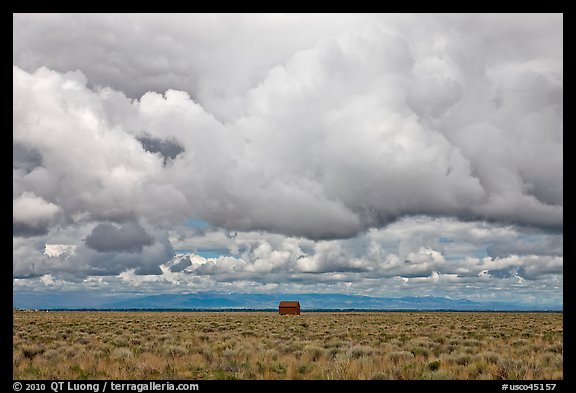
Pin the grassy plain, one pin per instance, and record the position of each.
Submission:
(259, 345)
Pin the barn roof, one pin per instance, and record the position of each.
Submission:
(289, 304)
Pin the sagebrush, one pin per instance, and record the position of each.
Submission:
(261, 345)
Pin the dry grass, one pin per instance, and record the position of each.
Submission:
(252, 345)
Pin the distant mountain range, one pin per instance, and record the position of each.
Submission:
(213, 300)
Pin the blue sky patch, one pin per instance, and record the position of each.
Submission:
(194, 223)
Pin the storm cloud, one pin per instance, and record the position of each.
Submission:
(168, 149)
(135, 124)
(25, 158)
(130, 237)
(32, 215)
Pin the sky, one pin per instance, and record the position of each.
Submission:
(375, 154)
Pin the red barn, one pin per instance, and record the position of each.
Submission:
(289, 308)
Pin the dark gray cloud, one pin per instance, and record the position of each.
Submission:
(181, 264)
(503, 273)
(25, 230)
(32, 215)
(128, 237)
(167, 149)
(145, 261)
(25, 157)
(63, 252)
(533, 244)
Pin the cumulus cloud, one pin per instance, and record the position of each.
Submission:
(168, 149)
(181, 264)
(329, 144)
(290, 265)
(55, 250)
(412, 250)
(311, 146)
(32, 215)
(216, 58)
(25, 158)
(129, 237)
(102, 248)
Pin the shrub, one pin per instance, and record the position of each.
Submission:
(121, 353)
(121, 345)
(359, 351)
(29, 351)
(556, 348)
(175, 350)
(420, 351)
(400, 356)
(490, 357)
(223, 375)
(433, 366)
(462, 359)
(314, 351)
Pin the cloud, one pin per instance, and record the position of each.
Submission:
(144, 261)
(320, 141)
(338, 139)
(180, 265)
(518, 278)
(55, 250)
(215, 58)
(32, 215)
(92, 249)
(128, 237)
(25, 158)
(167, 149)
(529, 244)
(409, 249)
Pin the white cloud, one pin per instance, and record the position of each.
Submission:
(55, 250)
(48, 280)
(372, 257)
(33, 211)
